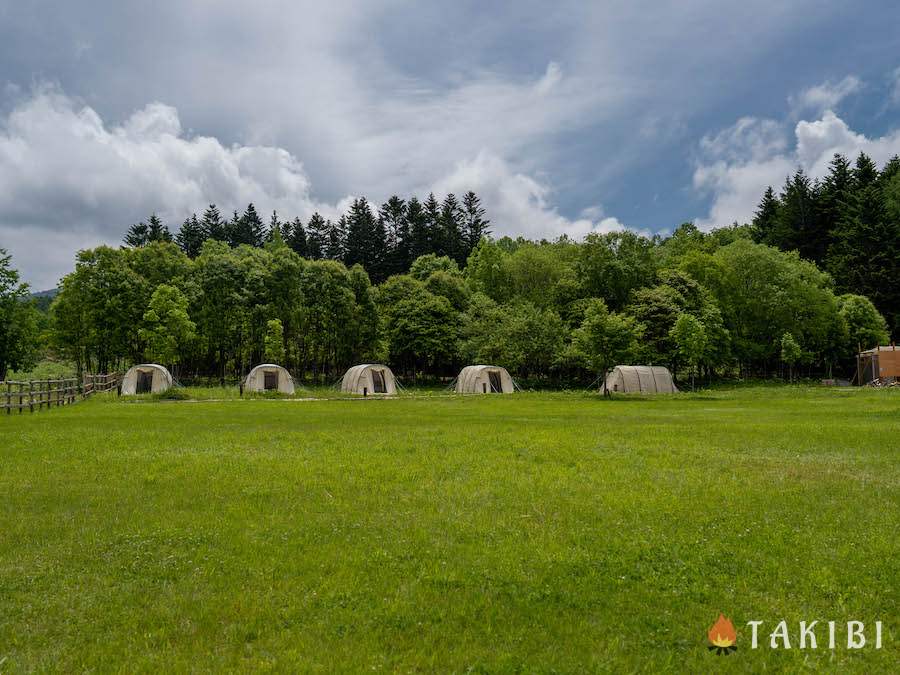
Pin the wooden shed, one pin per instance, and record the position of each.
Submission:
(878, 363)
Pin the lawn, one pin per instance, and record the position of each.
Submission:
(534, 532)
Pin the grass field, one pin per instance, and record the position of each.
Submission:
(535, 532)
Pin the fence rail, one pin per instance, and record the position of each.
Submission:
(34, 395)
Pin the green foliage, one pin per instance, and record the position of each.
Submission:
(605, 338)
(424, 266)
(274, 349)
(18, 320)
(866, 327)
(690, 340)
(168, 330)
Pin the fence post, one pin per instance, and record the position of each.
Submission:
(30, 396)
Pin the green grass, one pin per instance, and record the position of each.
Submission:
(534, 532)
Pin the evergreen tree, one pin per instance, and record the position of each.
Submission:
(275, 226)
(418, 241)
(475, 225)
(136, 235)
(765, 221)
(233, 230)
(364, 243)
(451, 235)
(796, 217)
(296, 237)
(432, 239)
(156, 231)
(393, 216)
(833, 202)
(317, 235)
(335, 240)
(214, 226)
(191, 236)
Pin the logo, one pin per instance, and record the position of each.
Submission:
(722, 636)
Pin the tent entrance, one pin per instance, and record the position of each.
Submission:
(270, 380)
(144, 382)
(378, 382)
(496, 385)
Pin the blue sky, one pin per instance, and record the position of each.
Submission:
(565, 118)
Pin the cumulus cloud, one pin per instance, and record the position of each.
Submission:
(72, 180)
(738, 171)
(824, 96)
(520, 204)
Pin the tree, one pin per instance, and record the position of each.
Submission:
(426, 265)
(213, 225)
(296, 237)
(451, 238)
(605, 338)
(317, 233)
(689, 336)
(790, 352)
(420, 239)
(474, 224)
(156, 231)
(765, 222)
(191, 236)
(136, 235)
(167, 327)
(393, 215)
(274, 349)
(18, 319)
(866, 328)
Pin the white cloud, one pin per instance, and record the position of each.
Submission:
(738, 172)
(519, 204)
(71, 180)
(825, 96)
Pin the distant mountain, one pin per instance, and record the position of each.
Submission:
(43, 299)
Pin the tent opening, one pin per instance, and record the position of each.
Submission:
(494, 377)
(144, 382)
(270, 381)
(378, 382)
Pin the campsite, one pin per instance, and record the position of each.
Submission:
(432, 530)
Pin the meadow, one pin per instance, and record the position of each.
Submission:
(538, 532)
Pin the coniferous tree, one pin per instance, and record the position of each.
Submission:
(765, 223)
(296, 237)
(317, 234)
(214, 226)
(393, 216)
(252, 227)
(335, 241)
(233, 230)
(419, 241)
(364, 243)
(475, 225)
(796, 217)
(136, 235)
(191, 236)
(156, 231)
(451, 235)
(433, 241)
(833, 202)
(275, 226)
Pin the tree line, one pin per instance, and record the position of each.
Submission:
(385, 242)
(421, 293)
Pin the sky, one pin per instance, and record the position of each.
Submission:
(564, 117)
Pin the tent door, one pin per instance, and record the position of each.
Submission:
(378, 382)
(496, 385)
(270, 381)
(144, 382)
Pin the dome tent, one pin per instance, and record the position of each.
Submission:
(640, 379)
(146, 378)
(483, 379)
(369, 378)
(269, 377)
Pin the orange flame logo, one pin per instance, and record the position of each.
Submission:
(722, 635)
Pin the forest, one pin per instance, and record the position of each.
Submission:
(423, 286)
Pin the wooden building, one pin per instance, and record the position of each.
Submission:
(878, 363)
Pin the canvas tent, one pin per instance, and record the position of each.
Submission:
(146, 378)
(640, 379)
(484, 380)
(369, 378)
(269, 377)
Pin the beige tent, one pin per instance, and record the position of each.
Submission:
(269, 377)
(369, 378)
(640, 379)
(484, 380)
(146, 378)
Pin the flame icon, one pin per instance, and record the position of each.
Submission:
(722, 636)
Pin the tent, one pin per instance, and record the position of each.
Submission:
(484, 380)
(269, 377)
(146, 378)
(369, 378)
(640, 379)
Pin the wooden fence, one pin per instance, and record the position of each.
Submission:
(33, 395)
